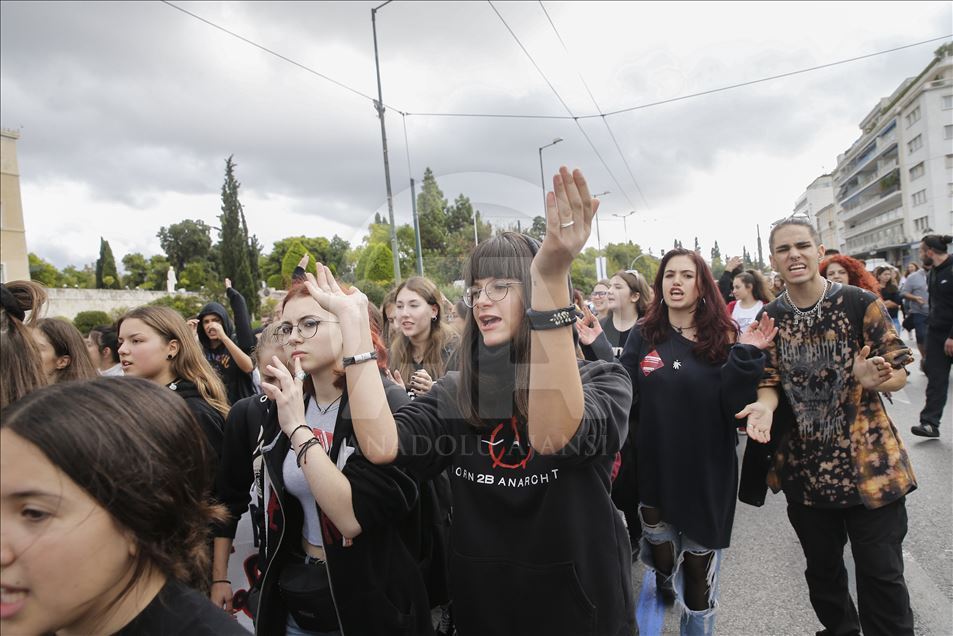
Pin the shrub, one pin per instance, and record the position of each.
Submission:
(86, 320)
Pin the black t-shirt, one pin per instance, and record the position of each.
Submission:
(178, 609)
(892, 294)
(615, 337)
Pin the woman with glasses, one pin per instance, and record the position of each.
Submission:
(332, 558)
(598, 298)
(529, 435)
(687, 349)
(626, 301)
(423, 343)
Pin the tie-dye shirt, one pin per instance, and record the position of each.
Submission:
(843, 449)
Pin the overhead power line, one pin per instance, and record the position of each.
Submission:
(596, 104)
(565, 105)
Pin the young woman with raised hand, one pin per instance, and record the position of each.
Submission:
(626, 302)
(62, 351)
(687, 350)
(157, 344)
(528, 433)
(751, 292)
(332, 557)
(421, 348)
(104, 509)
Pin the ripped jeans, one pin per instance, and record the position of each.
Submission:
(692, 622)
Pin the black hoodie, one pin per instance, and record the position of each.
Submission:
(537, 545)
(238, 384)
(211, 421)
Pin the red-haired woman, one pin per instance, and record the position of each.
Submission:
(687, 350)
(334, 520)
(845, 270)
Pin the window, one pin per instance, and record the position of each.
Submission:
(919, 225)
(913, 116)
(915, 144)
(917, 171)
(919, 198)
(948, 132)
(947, 102)
(949, 162)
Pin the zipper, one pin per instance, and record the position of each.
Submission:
(281, 537)
(327, 566)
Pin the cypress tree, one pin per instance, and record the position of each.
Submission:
(107, 276)
(234, 246)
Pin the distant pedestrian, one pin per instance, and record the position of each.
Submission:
(890, 293)
(598, 298)
(226, 345)
(751, 292)
(916, 309)
(847, 270)
(103, 348)
(835, 453)
(627, 301)
(939, 347)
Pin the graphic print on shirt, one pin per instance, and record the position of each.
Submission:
(504, 457)
(651, 362)
(221, 358)
(508, 455)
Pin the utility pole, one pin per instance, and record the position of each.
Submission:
(379, 105)
(413, 204)
(760, 254)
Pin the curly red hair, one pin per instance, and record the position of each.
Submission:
(857, 274)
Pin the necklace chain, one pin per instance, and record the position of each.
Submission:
(811, 314)
(326, 410)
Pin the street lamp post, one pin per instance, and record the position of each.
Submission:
(542, 176)
(379, 105)
(625, 229)
(598, 238)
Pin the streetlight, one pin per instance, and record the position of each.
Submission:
(600, 261)
(542, 176)
(625, 229)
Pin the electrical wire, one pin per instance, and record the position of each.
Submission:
(565, 105)
(596, 104)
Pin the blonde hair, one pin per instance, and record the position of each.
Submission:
(189, 363)
(440, 337)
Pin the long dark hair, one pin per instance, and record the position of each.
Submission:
(758, 284)
(507, 255)
(714, 329)
(136, 449)
(20, 368)
(66, 340)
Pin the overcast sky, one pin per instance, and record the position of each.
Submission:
(128, 110)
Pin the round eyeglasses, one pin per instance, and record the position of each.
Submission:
(306, 327)
(495, 290)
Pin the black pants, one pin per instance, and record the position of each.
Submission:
(937, 368)
(876, 539)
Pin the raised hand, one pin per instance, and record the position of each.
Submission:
(760, 418)
(326, 291)
(228, 283)
(395, 378)
(589, 327)
(871, 372)
(760, 333)
(569, 212)
(286, 392)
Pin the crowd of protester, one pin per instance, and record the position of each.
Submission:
(407, 466)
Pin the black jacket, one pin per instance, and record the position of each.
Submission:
(538, 548)
(211, 421)
(376, 582)
(238, 384)
(178, 609)
(940, 286)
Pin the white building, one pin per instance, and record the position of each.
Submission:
(818, 206)
(895, 183)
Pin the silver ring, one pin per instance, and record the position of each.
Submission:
(567, 224)
(300, 375)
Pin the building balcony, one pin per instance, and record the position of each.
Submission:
(873, 206)
(883, 168)
(873, 223)
(862, 164)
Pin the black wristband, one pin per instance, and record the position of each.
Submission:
(221, 581)
(362, 357)
(310, 430)
(304, 449)
(552, 319)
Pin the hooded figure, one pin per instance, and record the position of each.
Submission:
(222, 352)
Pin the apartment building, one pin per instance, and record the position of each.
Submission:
(895, 183)
(14, 264)
(817, 204)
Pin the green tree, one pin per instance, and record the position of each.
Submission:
(107, 277)
(379, 265)
(290, 261)
(82, 278)
(318, 247)
(196, 274)
(235, 248)
(432, 213)
(86, 320)
(185, 241)
(717, 265)
(158, 271)
(43, 272)
(137, 269)
(187, 305)
(538, 229)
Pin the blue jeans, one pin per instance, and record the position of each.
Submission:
(692, 622)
